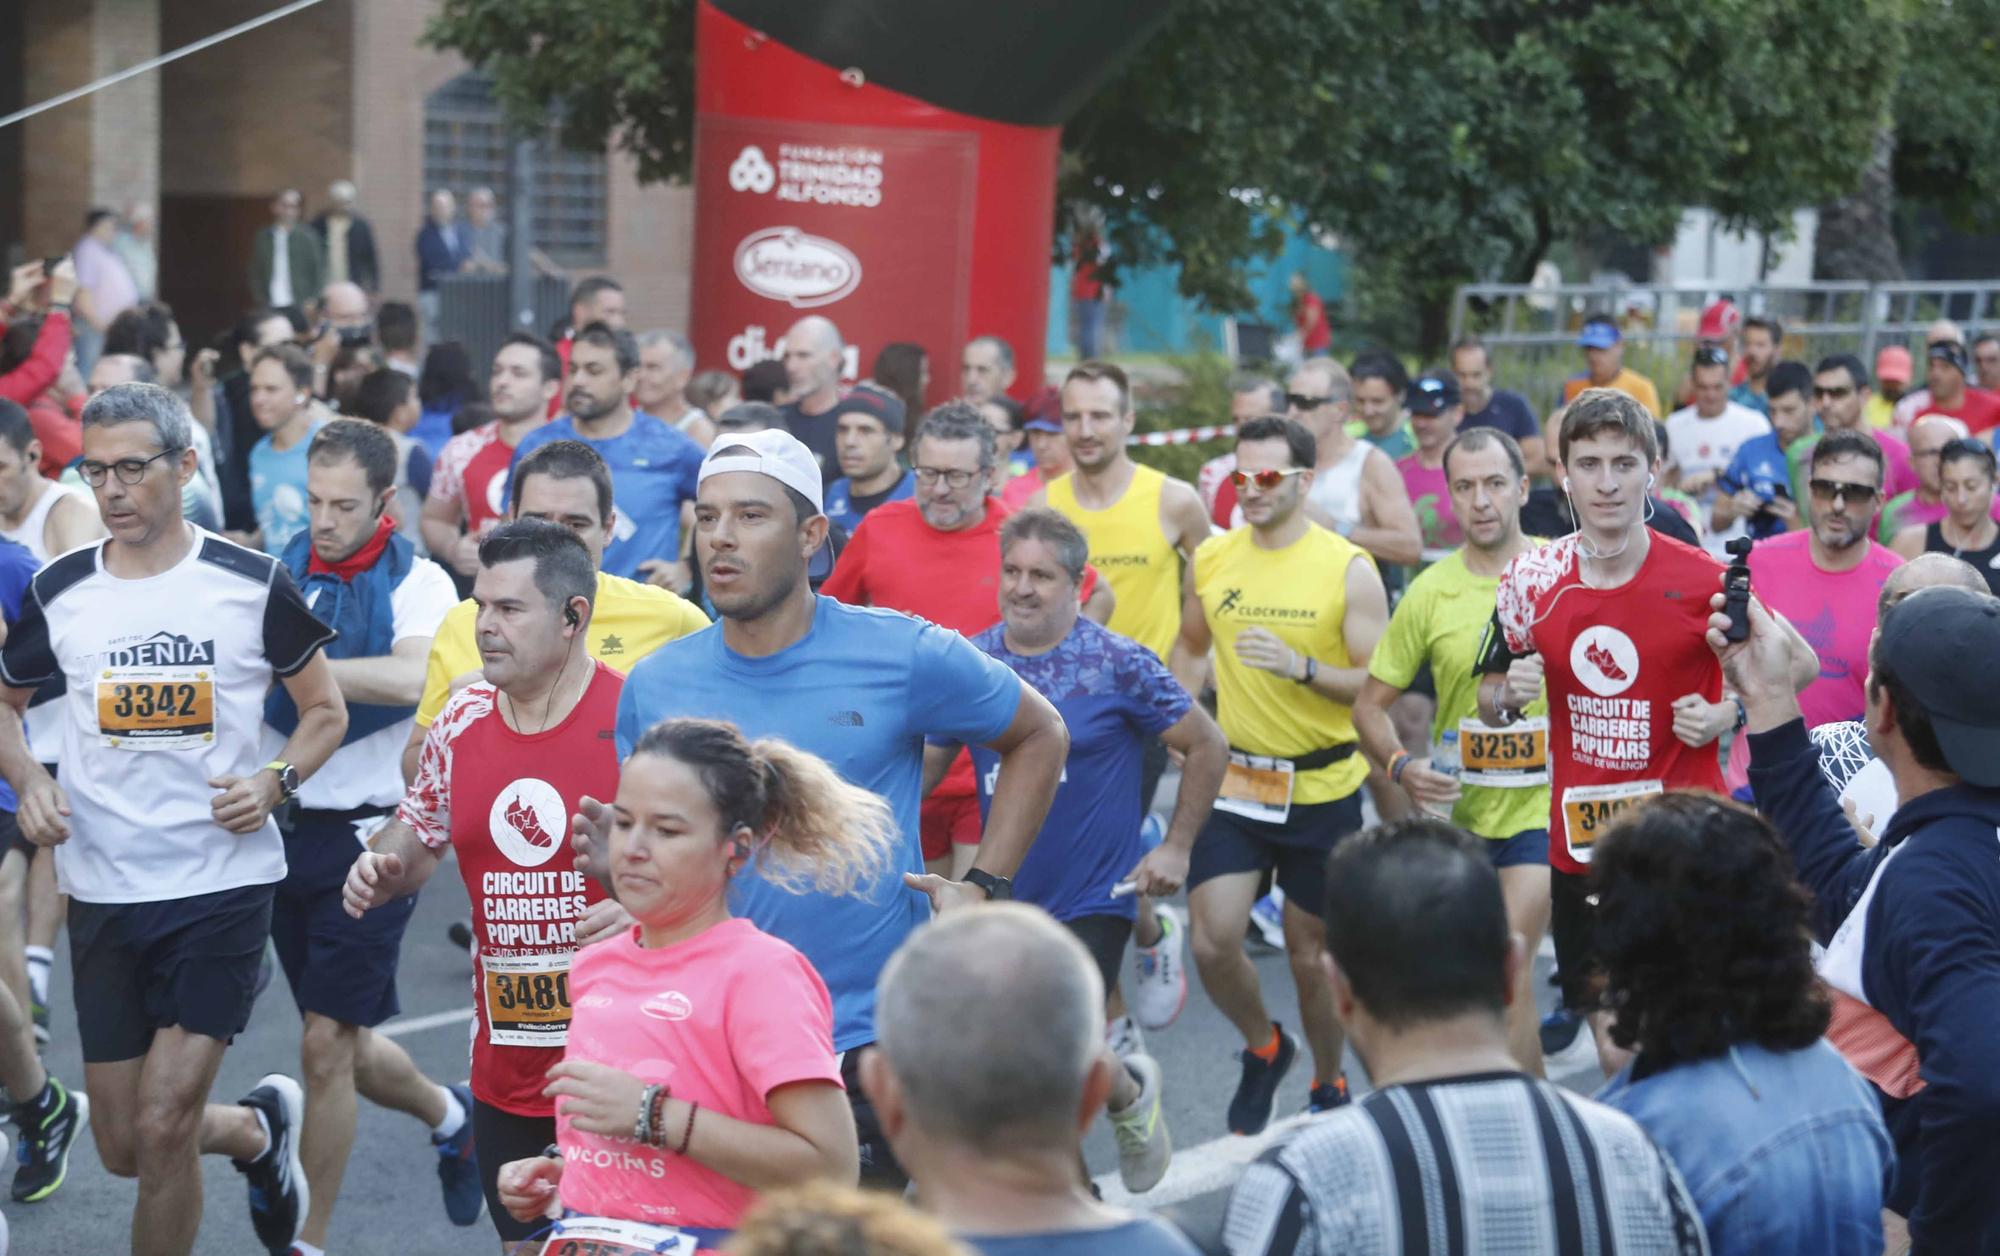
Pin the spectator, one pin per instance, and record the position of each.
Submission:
(104, 287)
(1706, 436)
(1380, 386)
(135, 247)
(814, 354)
(713, 392)
(821, 1219)
(1840, 390)
(986, 369)
(387, 398)
(905, 370)
(1762, 339)
(1487, 406)
(1780, 1143)
(148, 331)
(280, 401)
(27, 374)
(1603, 348)
(1892, 376)
(1756, 487)
(485, 235)
(397, 331)
(1309, 318)
(666, 362)
(447, 382)
(1968, 529)
(287, 264)
(1457, 1150)
(1087, 290)
(55, 410)
(348, 239)
(440, 251)
(767, 381)
(1912, 924)
(947, 1080)
(1950, 368)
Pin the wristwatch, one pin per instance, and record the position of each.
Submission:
(288, 779)
(998, 889)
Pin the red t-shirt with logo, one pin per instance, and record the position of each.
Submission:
(1615, 660)
(503, 800)
(1979, 411)
(472, 469)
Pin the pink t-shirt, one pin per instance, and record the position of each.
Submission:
(1833, 611)
(724, 1018)
(1430, 494)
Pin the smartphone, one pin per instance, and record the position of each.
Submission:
(49, 265)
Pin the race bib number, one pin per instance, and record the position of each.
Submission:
(603, 1236)
(1515, 757)
(170, 709)
(1257, 788)
(527, 1000)
(1588, 811)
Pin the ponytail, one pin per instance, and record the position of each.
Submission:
(809, 828)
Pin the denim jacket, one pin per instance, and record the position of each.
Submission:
(1783, 1151)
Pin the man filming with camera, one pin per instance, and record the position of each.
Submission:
(1612, 618)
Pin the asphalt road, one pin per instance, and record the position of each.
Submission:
(390, 1205)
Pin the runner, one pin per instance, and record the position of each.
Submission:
(1044, 431)
(1291, 647)
(868, 438)
(504, 767)
(1142, 526)
(1968, 530)
(1250, 397)
(1380, 386)
(468, 495)
(168, 639)
(938, 557)
(1925, 503)
(860, 688)
(727, 1083)
(1435, 410)
(1113, 695)
(1614, 616)
(385, 602)
(563, 482)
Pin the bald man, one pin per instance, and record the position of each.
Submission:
(1924, 504)
(345, 306)
(814, 354)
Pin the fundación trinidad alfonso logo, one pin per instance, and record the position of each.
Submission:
(528, 822)
(1605, 660)
(802, 270)
(752, 172)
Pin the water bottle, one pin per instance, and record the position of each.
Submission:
(1444, 758)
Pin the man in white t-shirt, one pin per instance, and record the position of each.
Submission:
(1703, 438)
(366, 580)
(168, 639)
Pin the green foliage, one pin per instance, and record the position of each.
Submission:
(1947, 114)
(1200, 398)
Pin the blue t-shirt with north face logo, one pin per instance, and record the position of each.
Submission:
(862, 690)
(1113, 694)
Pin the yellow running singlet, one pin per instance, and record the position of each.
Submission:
(1128, 548)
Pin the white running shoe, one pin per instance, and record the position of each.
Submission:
(1124, 1039)
(1159, 972)
(1144, 1147)
(1267, 917)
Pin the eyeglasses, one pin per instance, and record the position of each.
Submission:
(1299, 401)
(1710, 355)
(130, 470)
(1839, 491)
(957, 479)
(1833, 394)
(1264, 480)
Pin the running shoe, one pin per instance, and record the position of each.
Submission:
(1559, 1031)
(1159, 972)
(458, 1167)
(1267, 917)
(47, 1134)
(1144, 1147)
(1257, 1092)
(279, 1196)
(1327, 1096)
(1124, 1039)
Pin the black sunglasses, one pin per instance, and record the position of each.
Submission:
(1710, 355)
(1833, 394)
(1299, 401)
(1840, 490)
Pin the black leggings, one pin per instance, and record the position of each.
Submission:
(502, 1136)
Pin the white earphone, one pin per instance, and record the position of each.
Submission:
(1649, 480)
(1565, 484)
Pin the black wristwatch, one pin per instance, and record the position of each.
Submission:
(998, 889)
(288, 778)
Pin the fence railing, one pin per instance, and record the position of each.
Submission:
(477, 311)
(1530, 331)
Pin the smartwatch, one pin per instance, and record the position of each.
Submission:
(288, 778)
(998, 889)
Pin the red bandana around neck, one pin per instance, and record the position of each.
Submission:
(360, 560)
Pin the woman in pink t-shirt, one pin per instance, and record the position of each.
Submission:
(700, 1067)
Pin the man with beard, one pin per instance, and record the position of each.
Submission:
(652, 466)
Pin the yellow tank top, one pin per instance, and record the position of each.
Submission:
(1300, 594)
(1133, 554)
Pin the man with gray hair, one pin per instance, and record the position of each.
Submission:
(986, 369)
(968, 1099)
(666, 360)
(168, 638)
(814, 358)
(348, 239)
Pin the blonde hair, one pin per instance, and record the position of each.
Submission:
(809, 828)
(821, 1219)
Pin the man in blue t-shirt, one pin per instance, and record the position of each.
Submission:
(1757, 483)
(860, 688)
(1487, 406)
(1113, 694)
(653, 466)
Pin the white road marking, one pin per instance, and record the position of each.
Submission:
(416, 1024)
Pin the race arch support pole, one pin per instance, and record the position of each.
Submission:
(820, 189)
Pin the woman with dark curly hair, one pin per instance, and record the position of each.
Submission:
(1703, 938)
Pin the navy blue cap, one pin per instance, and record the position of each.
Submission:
(1432, 393)
(1928, 640)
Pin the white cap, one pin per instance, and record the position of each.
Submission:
(778, 454)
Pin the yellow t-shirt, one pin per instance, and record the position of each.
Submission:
(628, 621)
(1629, 382)
(1128, 548)
(1299, 593)
(1879, 412)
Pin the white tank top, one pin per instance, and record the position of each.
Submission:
(32, 531)
(1336, 489)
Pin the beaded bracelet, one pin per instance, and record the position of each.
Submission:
(687, 1135)
(1399, 761)
(656, 1132)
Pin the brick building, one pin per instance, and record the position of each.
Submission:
(339, 90)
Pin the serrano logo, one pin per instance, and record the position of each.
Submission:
(528, 822)
(751, 171)
(671, 1006)
(785, 264)
(1605, 660)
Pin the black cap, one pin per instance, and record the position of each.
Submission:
(1952, 352)
(1928, 640)
(876, 404)
(1432, 393)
